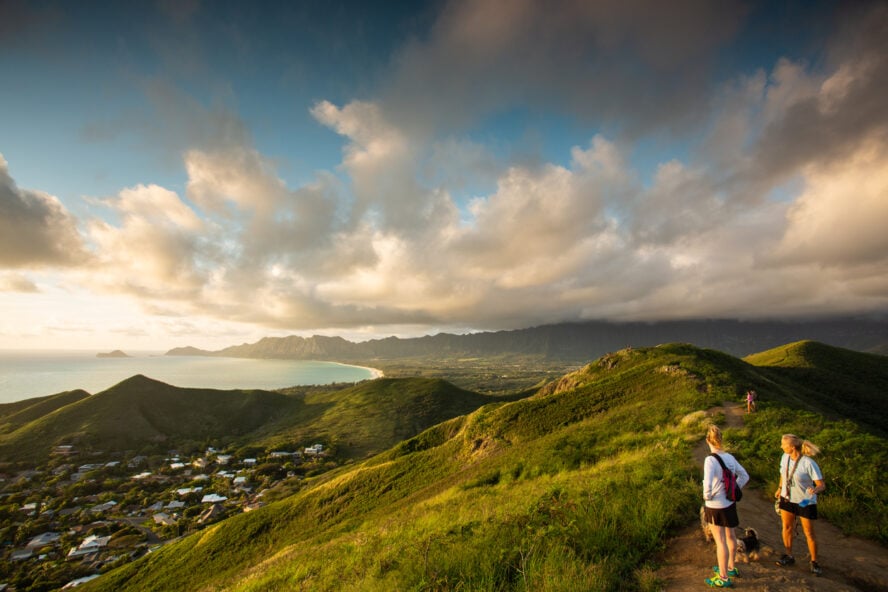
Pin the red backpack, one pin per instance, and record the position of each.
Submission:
(732, 490)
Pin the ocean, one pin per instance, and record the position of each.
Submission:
(25, 375)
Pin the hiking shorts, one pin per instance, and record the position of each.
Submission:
(722, 516)
(809, 511)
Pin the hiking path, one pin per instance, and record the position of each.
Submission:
(850, 564)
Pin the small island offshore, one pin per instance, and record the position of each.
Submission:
(114, 354)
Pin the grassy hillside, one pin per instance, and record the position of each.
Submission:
(140, 413)
(573, 488)
(837, 399)
(374, 415)
(835, 381)
(15, 415)
(530, 494)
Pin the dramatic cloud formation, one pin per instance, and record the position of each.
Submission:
(35, 229)
(772, 202)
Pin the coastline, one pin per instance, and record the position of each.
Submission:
(31, 375)
(374, 372)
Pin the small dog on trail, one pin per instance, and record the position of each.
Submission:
(748, 545)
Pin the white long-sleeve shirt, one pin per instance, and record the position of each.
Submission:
(713, 485)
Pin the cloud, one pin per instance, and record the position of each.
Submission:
(839, 219)
(35, 228)
(13, 282)
(775, 208)
(596, 60)
(159, 250)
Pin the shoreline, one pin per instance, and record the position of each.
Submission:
(24, 377)
(374, 372)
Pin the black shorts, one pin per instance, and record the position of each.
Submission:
(809, 511)
(722, 516)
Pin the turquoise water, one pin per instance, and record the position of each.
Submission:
(24, 375)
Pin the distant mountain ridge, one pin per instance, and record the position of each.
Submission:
(572, 341)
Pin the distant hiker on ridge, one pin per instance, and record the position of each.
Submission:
(751, 396)
(719, 511)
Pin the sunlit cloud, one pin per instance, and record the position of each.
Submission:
(774, 206)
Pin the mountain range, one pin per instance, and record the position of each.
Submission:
(576, 342)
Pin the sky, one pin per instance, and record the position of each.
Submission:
(188, 172)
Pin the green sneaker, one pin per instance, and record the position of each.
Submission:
(732, 573)
(718, 582)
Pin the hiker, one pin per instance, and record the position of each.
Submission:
(751, 396)
(719, 511)
(800, 482)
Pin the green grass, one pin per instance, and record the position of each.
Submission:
(543, 493)
(573, 488)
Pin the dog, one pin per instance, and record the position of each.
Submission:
(748, 546)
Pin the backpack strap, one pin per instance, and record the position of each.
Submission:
(721, 462)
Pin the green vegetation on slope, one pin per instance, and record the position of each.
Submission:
(15, 415)
(573, 488)
(829, 380)
(557, 491)
(837, 399)
(146, 415)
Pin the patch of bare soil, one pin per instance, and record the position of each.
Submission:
(849, 563)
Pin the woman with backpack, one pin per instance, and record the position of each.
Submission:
(719, 510)
(800, 482)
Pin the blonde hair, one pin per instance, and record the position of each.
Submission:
(806, 447)
(714, 436)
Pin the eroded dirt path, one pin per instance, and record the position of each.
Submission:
(849, 563)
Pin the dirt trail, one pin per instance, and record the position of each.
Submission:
(849, 563)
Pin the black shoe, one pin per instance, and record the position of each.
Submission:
(786, 561)
(815, 568)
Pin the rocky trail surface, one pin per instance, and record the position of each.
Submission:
(850, 564)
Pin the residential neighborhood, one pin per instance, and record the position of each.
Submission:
(70, 520)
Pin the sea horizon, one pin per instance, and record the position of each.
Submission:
(27, 374)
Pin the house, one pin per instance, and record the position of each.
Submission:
(91, 544)
(223, 459)
(175, 505)
(43, 539)
(164, 519)
(155, 507)
(250, 462)
(21, 554)
(78, 581)
(314, 450)
(212, 498)
(281, 454)
(141, 476)
(213, 512)
(64, 450)
(106, 507)
(200, 463)
(136, 461)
